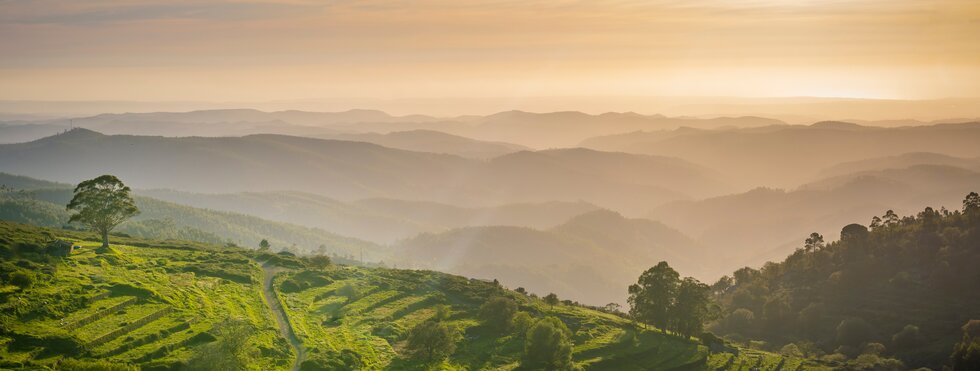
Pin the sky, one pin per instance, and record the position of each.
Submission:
(153, 50)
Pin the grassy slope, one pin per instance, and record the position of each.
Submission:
(148, 280)
(374, 324)
(139, 279)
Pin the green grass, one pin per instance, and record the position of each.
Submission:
(392, 302)
(154, 278)
(156, 303)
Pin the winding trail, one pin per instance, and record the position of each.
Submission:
(273, 302)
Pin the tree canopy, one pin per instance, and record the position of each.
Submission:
(548, 346)
(432, 341)
(101, 204)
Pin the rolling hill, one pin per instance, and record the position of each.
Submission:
(433, 141)
(897, 162)
(354, 170)
(174, 305)
(765, 224)
(590, 258)
(534, 130)
(788, 156)
(42, 203)
(380, 220)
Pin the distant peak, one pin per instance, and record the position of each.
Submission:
(836, 125)
(75, 133)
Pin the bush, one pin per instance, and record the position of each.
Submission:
(498, 313)
(23, 280)
(349, 291)
(791, 350)
(548, 346)
(432, 341)
(521, 322)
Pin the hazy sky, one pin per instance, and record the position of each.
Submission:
(297, 49)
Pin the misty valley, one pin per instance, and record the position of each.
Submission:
(463, 185)
(360, 240)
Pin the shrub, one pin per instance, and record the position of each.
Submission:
(349, 291)
(442, 313)
(522, 321)
(548, 346)
(432, 341)
(498, 313)
(23, 280)
(791, 350)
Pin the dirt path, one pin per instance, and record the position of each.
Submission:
(273, 302)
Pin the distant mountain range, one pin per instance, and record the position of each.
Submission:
(380, 220)
(787, 156)
(533, 130)
(348, 171)
(432, 141)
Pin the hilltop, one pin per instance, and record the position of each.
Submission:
(166, 305)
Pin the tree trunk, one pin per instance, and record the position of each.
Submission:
(105, 238)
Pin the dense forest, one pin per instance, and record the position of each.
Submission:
(900, 290)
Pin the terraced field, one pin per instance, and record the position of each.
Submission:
(368, 312)
(140, 305)
(166, 305)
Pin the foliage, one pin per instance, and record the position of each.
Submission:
(522, 322)
(661, 298)
(229, 352)
(22, 279)
(498, 313)
(903, 266)
(652, 296)
(69, 364)
(548, 346)
(101, 204)
(966, 354)
(551, 299)
(432, 341)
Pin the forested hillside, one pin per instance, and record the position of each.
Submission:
(902, 288)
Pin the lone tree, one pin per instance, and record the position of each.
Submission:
(652, 297)
(101, 204)
(552, 300)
